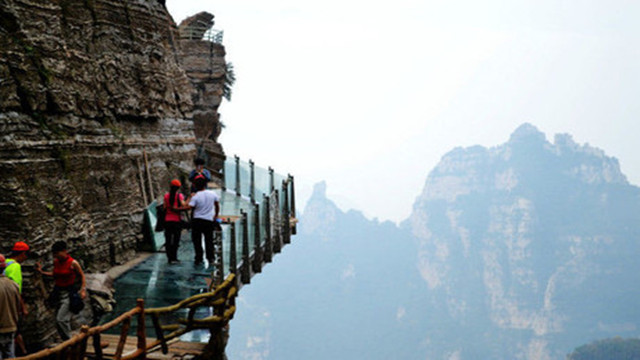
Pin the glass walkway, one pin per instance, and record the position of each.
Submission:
(258, 219)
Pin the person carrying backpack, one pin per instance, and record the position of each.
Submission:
(70, 288)
(173, 200)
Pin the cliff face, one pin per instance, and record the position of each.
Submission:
(527, 247)
(205, 65)
(97, 114)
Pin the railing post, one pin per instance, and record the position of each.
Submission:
(252, 182)
(286, 219)
(245, 271)
(277, 222)
(237, 159)
(218, 275)
(141, 332)
(82, 350)
(292, 200)
(257, 246)
(224, 174)
(272, 186)
(159, 333)
(268, 246)
(97, 346)
(124, 331)
(146, 166)
(233, 267)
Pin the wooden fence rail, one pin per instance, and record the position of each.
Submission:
(221, 299)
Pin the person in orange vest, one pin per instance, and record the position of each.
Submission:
(70, 287)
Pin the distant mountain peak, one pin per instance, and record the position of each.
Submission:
(320, 213)
(526, 158)
(527, 132)
(320, 190)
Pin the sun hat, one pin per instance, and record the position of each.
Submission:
(20, 246)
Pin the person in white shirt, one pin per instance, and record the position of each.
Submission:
(206, 208)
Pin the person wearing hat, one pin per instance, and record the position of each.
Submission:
(198, 171)
(13, 271)
(173, 200)
(11, 307)
(17, 256)
(206, 207)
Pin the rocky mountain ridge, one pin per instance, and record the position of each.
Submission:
(520, 239)
(521, 251)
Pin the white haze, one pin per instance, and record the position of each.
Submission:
(369, 95)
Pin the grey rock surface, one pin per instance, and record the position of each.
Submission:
(101, 105)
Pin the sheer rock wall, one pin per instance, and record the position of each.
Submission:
(205, 65)
(96, 116)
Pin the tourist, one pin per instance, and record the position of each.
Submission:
(13, 270)
(199, 170)
(206, 207)
(17, 256)
(68, 292)
(173, 200)
(10, 303)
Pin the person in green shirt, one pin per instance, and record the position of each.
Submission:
(17, 256)
(13, 271)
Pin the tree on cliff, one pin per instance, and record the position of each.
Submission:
(229, 80)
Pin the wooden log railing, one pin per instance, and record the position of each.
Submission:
(221, 299)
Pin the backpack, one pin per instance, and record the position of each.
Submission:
(160, 214)
(4, 270)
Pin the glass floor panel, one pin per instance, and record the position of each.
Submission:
(162, 284)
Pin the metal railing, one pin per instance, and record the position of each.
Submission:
(201, 32)
(265, 219)
(258, 216)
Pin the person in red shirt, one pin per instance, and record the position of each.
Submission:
(70, 286)
(172, 225)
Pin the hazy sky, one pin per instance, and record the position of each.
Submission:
(370, 95)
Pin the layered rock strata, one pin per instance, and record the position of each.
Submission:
(96, 116)
(203, 58)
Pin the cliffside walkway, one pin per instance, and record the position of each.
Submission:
(259, 217)
(193, 303)
(220, 300)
